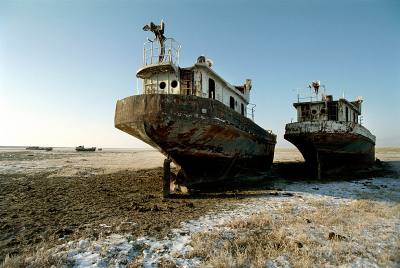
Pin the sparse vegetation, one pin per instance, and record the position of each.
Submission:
(42, 256)
(317, 235)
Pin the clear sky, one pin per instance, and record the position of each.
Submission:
(64, 64)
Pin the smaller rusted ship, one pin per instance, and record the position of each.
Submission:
(82, 148)
(193, 116)
(329, 133)
(38, 148)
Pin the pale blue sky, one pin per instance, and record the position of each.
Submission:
(64, 64)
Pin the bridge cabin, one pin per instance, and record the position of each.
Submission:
(328, 109)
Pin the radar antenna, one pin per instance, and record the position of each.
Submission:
(158, 31)
(315, 84)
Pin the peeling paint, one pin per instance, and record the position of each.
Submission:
(332, 145)
(212, 146)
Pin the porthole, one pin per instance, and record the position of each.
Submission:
(313, 111)
(162, 85)
(174, 84)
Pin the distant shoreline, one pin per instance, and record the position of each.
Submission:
(147, 148)
(23, 148)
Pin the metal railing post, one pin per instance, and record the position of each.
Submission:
(170, 53)
(144, 54)
(151, 54)
(179, 52)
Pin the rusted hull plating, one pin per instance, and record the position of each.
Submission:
(205, 138)
(335, 151)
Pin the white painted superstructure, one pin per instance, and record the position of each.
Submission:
(162, 75)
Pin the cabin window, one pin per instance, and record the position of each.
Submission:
(174, 84)
(162, 85)
(185, 82)
(347, 114)
(187, 88)
(323, 111)
(211, 88)
(242, 108)
(313, 111)
(354, 117)
(232, 103)
(305, 112)
(332, 111)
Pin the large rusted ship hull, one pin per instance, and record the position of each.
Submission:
(206, 139)
(333, 146)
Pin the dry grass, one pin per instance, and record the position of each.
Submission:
(42, 256)
(300, 237)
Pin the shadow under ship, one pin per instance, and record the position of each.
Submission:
(194, 117)
(329, 134)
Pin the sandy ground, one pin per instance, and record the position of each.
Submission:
(105, 208)
(68, 163)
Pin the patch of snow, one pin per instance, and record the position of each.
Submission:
(280, 262)
(115, 250)
(362, 262)
(83, 244)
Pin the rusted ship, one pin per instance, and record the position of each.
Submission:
(38, 148)
(329, 133)
(82, 148)
(193, 116)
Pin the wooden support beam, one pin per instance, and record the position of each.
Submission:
(318, 166)
(167, 177)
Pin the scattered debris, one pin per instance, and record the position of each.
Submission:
(333, 236)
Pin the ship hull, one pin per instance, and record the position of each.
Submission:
(86, 150)
(333, 146)
(206, 139)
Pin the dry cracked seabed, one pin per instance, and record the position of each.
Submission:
(44, 205)
(120, 218)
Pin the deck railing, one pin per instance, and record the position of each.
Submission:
(252, 110)
(305, 95)
(154, 53)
